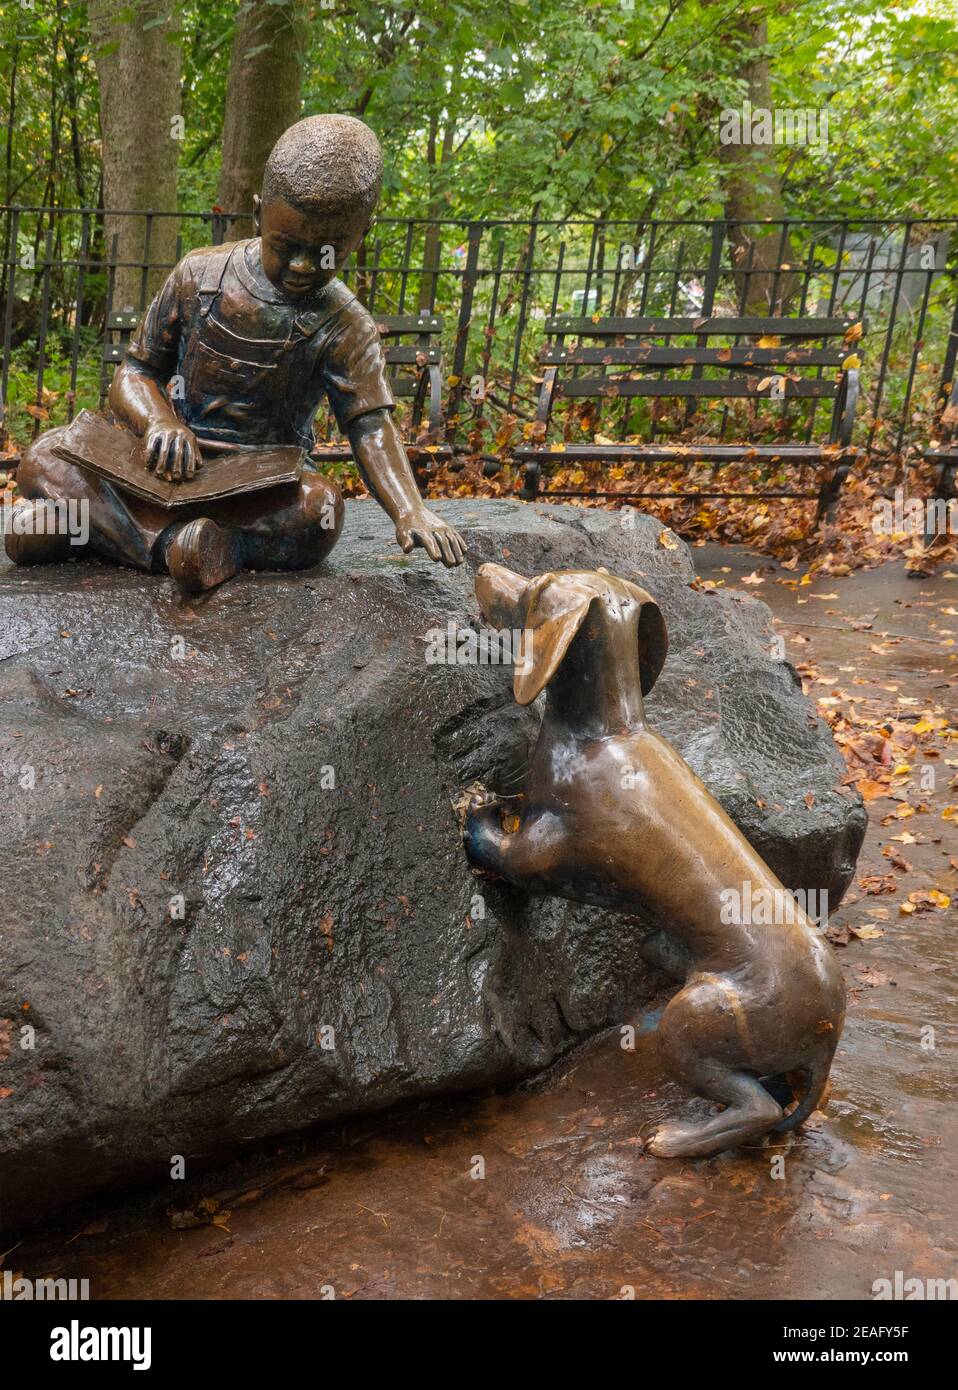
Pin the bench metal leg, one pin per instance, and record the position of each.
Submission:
(531, 475)
(946, 484)
(830, 494)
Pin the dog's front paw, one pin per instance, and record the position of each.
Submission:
(482, 831)
(483, 810)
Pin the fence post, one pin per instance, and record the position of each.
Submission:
(951, 358)
(44, 325)
(886, 352)
(78, 321)
(14, 232)
(719, 232)
(110, 291)
(465, 319)
(523, 309)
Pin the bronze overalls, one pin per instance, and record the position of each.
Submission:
(231, 390)
(248, 390)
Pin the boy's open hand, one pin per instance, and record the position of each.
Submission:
(171, 450)
(438, 539)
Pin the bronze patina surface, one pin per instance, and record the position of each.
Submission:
(238, 350)
(611, 815)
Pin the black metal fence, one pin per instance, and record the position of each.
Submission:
(495, 282)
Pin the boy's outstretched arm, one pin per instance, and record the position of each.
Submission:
(381, 459)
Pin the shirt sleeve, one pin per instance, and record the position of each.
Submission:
(156, 341)
(353, 368)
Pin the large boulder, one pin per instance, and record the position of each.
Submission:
(235, 899)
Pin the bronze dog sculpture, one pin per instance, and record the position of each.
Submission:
(611, 815)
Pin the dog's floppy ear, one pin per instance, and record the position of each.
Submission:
(653, 637)
(554, 614)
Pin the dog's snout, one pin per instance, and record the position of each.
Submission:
(499, 592)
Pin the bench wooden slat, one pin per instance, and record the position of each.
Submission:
(692, 493)
(340, 452)
(409, 353)
(396, 356)
(403, 385)
(654, 355)
(389, 325)
(640, 453)
(612, 389)
(710, 327)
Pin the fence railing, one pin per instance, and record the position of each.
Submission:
(64, 271)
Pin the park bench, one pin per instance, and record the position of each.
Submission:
(944, 454)
(414, 365)
(414, 368)
(628, 358)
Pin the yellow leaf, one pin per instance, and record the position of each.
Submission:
(868, 932)
(853, 361)
(769, 341)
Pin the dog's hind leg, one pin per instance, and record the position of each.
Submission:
(703, 1027)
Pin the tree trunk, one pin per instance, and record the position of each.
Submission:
(262, 97)
(753, 188)
(437, 156)
(138, 67)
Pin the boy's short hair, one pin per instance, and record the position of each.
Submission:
(326, 164)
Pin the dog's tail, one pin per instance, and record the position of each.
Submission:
(816, 1083)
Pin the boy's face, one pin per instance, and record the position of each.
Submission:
(302, 251)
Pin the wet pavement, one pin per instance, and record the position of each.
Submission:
(544, 1191)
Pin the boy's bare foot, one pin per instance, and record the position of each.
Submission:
(202, 555)
(36, 546)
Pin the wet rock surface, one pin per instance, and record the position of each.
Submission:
(236, 902)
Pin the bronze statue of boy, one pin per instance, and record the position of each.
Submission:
(252, 335)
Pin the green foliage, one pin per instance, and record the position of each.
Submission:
(58, 400)
(607, 107)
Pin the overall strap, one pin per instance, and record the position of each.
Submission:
(211, 280)
(335, 298)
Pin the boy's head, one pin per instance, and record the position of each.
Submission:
(320, 188)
